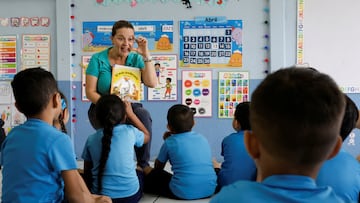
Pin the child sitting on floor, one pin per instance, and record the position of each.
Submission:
(295, 115)
(237, 165)
(38, 160)
(189, 154)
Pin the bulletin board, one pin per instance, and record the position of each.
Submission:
(329, 39)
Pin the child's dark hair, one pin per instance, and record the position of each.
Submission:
(64, 105)
(350, 118)
(180, 118)
(121, 24)
(33, 88)
(168, 79)
(110, 111)
(157, 64)
(296, 114)
(242, 113)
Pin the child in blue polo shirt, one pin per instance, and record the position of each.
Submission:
(38, 160)
(189, 154)
(295, 115)
(237, 165)
(342, 172)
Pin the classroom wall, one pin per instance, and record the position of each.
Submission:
(66, 55)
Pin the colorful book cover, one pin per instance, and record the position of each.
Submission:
(126, 82)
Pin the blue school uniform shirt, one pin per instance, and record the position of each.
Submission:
(189, 154)
(33, 156)
(100, 67)
(237, 165)
(119, 178)
(342, 173)
(277, 189)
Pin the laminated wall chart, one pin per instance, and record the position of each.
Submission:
(211, 42)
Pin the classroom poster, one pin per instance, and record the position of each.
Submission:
(7, 56)
(233, 89)
(36, 51)
(166, 73)
(197, 91)
(96, 35)
(211, 42)
(5, 92)
(84, 64)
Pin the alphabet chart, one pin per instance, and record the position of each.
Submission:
(211, 42)
(233, 89)
(197, 92)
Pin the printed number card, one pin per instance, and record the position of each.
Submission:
(96, 35)
(166, 73)
(197, 91)
(84, 64)
(233, 89)
(211, 42)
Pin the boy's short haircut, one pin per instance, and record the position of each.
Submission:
(33, 88)
(350, 118)
(180, 118)
(242, 113)
(296, 115)
(169, 79)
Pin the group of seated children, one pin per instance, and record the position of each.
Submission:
(286, 148)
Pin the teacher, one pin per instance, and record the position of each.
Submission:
(99, 73)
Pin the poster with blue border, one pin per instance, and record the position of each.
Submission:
(211, 42)
(96, 35)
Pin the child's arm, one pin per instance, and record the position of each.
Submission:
(159, 165)
(136, 121)
(76, 190)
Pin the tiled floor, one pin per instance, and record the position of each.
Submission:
(147, 197)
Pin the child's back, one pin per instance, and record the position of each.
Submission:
(295, 116)
(237, 165)
(33, 155)
(346, 182)
(189, 154)
(38, 160)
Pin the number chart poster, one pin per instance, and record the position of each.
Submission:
(197, 91)
(211, 44)
(96, 35)
(233, 89)
(36, 51)
(7, 56)
(166, 73)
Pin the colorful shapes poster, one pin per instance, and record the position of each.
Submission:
(97, 35)
(166, 73)
(211, 42)
(197, 91)
(36, 51)
(233, 89)
(7, 56)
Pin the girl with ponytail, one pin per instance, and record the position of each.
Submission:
(109, 164)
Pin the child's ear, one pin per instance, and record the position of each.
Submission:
(251, 144)
(336, 148)
(56, 99)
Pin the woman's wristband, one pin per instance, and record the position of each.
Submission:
(147, 59)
